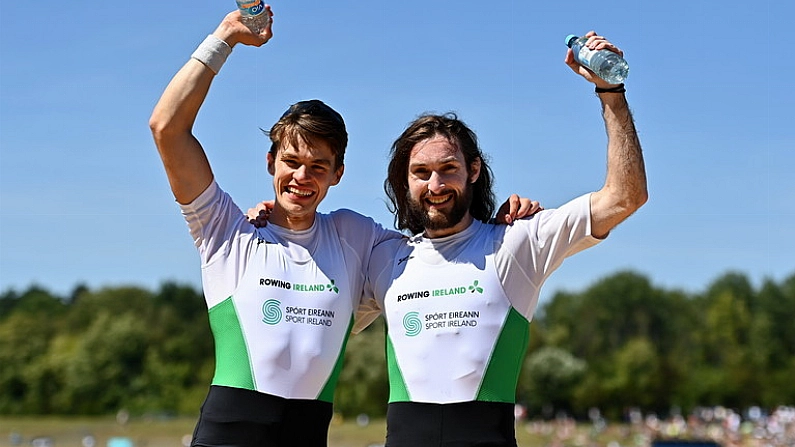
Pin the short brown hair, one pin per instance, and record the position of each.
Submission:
(311, 120)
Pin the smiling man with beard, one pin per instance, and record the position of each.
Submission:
(455, 350)
(443, 162)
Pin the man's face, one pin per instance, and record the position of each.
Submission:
(302, 176)
(440, 186)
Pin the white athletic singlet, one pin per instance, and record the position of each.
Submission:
(280, 302)
(458, 308)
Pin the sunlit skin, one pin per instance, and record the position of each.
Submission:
(438, 177)
(302, 176)
(437, 206)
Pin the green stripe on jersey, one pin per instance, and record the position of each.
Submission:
(327, 394)
(398, 392)
(232, 363)
(502, 373)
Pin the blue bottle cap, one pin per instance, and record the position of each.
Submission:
(569, 39)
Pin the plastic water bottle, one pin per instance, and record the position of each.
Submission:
(606, 64)
(255, 16)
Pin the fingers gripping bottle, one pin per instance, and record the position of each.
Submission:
(255, 16)
(606, 64)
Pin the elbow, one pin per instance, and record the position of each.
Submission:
(163, 128)
(641, 198)
(157, 125)
(634, 202)
(632, 196)
(624, 205)
(625, 201)
(609, 208)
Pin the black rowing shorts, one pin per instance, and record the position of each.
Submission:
(234, 417)
(466, 424)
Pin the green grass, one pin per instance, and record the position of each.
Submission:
(70, 431)
(152, 432)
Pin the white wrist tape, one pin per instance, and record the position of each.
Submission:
(212, 52)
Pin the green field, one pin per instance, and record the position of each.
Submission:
(154, 432)
(69, 432)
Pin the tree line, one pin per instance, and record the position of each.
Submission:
(620, 344)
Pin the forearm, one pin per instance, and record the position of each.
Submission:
(179, 105)
(624, 190)
(172, 122)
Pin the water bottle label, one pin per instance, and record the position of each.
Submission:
(250, 7)
(584, 56)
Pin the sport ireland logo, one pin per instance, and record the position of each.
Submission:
(272, 312)
(412, 324)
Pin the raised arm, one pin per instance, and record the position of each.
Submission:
(624, 190)
(172, 120)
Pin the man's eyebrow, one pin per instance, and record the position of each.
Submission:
(445, 160)
(290, 156)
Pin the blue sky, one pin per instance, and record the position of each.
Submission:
(84, 198)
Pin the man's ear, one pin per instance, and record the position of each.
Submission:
(338, 173)
(474, 170)
(271, 168)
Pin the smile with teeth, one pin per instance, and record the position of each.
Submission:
(298, 192)
(438, 200)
